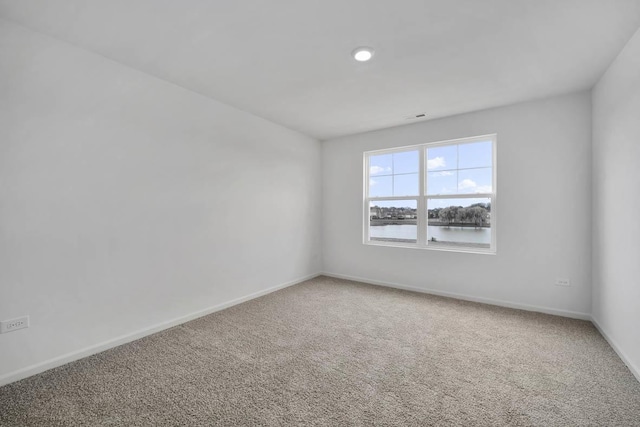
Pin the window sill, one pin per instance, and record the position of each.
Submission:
(461, 249)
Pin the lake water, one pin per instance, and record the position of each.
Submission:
(443, 234)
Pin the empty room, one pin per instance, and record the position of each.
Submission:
(329, 213)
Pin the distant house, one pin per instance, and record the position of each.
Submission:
(375, 212)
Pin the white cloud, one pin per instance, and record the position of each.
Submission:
(437, 162)
(372, 182)
(373, 170)
(484, 189)
(467, 183)
(442, 173)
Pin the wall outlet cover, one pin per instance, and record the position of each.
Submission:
(14, 324)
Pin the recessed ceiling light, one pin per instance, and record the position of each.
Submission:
(362, 54)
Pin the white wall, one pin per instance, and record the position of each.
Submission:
(126, 201)
(616, 204)
(544, 200)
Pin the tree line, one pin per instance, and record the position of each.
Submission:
(477, 214)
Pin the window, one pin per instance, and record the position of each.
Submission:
(438, 196)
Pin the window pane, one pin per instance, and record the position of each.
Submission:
(380, 186)
(380, 165)
(442, 182)
(474, 155)
(406, 162)
(455, 223)
(405, 185)
(474, 181)
(393, 221)
(439, 158)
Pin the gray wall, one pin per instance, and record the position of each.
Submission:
(543, 203)
(616, 204)
(126, 201)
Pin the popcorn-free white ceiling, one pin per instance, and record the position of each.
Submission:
(290, 61)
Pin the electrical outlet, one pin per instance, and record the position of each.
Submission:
(563, 282)
(14, 324)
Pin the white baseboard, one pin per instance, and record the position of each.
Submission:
(490, 301)
(633, 368)
(123, 339)
(88, 351)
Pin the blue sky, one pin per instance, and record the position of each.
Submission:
(452, 169)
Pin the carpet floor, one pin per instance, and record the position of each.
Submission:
(334, 352)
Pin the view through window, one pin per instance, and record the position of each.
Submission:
(439, 195)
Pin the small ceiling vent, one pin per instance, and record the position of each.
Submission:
(417, 116)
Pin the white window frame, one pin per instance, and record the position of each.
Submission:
(422, 198)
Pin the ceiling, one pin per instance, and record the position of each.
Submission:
(289, 60)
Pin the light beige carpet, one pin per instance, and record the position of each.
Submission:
(332, 352)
